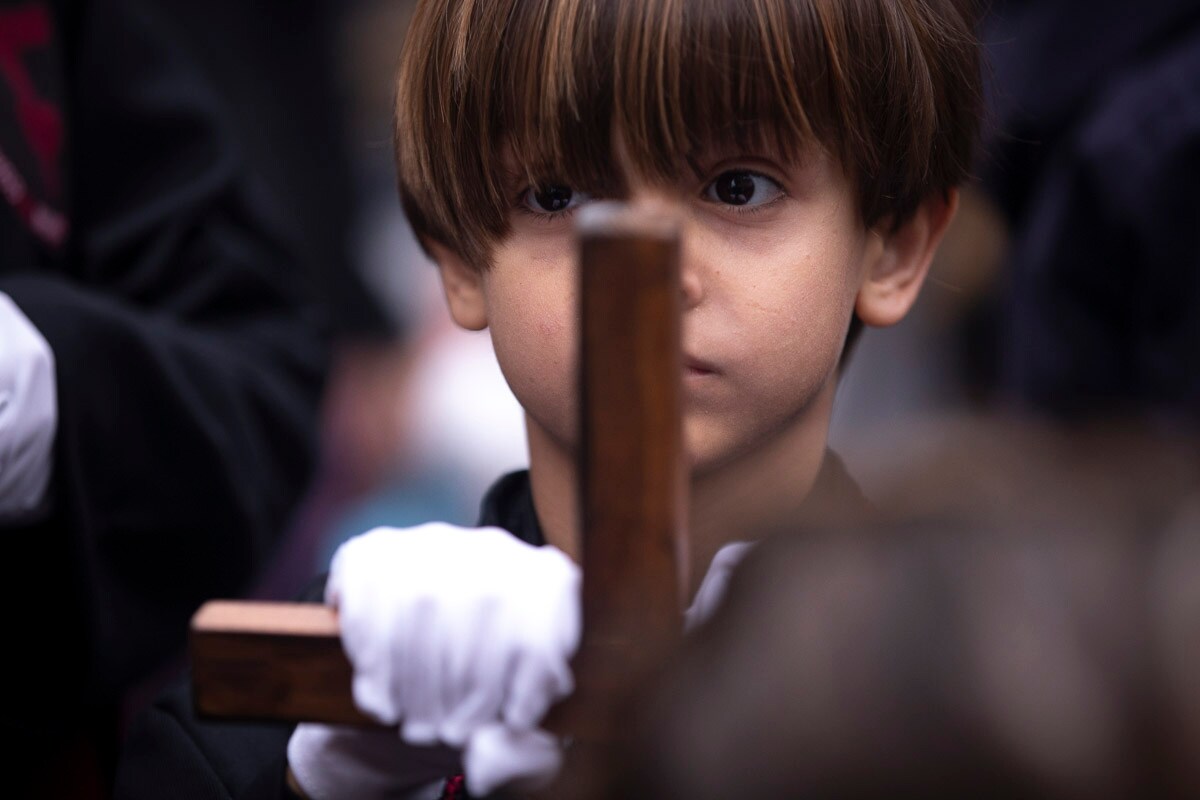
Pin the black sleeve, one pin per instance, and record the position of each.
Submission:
(170, 754)
(189, 359)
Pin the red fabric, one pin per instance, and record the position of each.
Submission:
(22, 29)
(455, 789)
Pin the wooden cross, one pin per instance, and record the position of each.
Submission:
(284, 662)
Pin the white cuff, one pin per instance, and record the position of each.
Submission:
(712, 588)
(498, 755)
(332, 762)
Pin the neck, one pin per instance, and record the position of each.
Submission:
(759, 493)
(552, 475)
(742, 499)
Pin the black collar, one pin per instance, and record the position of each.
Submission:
(508, 504)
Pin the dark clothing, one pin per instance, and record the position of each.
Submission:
(189, 354)
(170, 753)
(275, 64)
(1099, 142)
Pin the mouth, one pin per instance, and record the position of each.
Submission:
(695, 368)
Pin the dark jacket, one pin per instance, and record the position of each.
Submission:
(189, 353)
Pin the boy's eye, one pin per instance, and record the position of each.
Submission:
(740, 187)
(552, 199)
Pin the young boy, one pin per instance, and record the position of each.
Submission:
(811, 149)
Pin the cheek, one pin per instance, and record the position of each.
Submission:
(796, 356)
(804, 308)
(534, 332)
(789, 324)
(552, 328)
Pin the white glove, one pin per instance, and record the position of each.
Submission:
(716, 580)
(28, 411)
(462, 636)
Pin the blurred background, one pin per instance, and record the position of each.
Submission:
(1068, 286)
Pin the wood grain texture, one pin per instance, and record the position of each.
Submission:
(631, 466)
(631, 470)
(271, 661)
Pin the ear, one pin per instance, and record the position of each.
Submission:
(463, 287)
(900, 260)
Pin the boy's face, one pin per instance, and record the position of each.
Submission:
(775, 259)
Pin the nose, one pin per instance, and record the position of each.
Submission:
(691, 283)
(690, 250)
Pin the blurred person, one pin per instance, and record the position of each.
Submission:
(161, 359)
(1096, 144)
(1019, 620)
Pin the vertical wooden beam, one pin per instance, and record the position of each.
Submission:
(631, 484)
(631, 469)
(631, 463)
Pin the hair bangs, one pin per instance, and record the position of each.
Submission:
(696, 76)
(553, 87)
(495, 96)
(670, 79)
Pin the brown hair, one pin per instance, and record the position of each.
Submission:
(890, 87)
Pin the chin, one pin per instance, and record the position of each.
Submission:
(700, 457)
(701, 460)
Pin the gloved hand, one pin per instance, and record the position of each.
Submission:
(463, 637)
(28, 411)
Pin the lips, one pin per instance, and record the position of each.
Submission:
(696, 368)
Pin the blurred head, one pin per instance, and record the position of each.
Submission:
(1009, 630)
